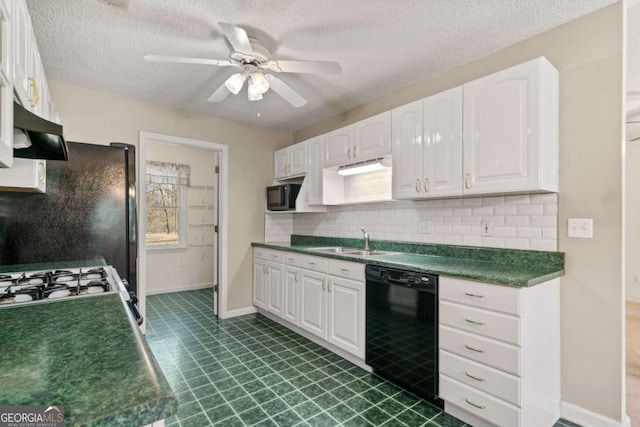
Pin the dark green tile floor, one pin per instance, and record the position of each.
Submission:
(250, 371)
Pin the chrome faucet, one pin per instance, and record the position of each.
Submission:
(366, 238)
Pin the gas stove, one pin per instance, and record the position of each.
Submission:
(39, 286)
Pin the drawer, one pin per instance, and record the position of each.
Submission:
(291, 258)
(490, 324)
(314, 263)
(481, 377)
(260, 253)
(347, 269)
(478, 403)
(505, 357)
(482, 295)
(275, 256)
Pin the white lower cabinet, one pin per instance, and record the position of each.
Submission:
(499, 358)
(323, 297)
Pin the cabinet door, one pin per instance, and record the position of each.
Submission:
(314, 174)
(25, 175)
(275, 274)
(259, 284)
(337, 147)
(22, 46)
(291, 309)
(313, 303)
(281, 163)
(346, 321)
(407, 156)
(443, 144)
(298, 159)
(6, 87)
(372, 137)
(503, 128)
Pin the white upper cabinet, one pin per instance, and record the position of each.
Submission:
(22, 45)
(427, 147)
(364, 140)
(511, 130)
(25, 175)
(314, 173)
(372, 137)
(6, 85)
(337, 146)
(290, 161)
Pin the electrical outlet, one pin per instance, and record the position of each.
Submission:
(424, 227)
(487, 228)
(580, 227)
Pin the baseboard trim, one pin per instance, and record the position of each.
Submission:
(587, 418)
(180, 289)
(238, 312)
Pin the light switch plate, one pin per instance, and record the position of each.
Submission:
(487, 228)
(580, 227)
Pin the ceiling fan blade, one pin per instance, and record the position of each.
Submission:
(220, 94)
(237, 37)
(285, 91)
(186, 60)
(310, 67)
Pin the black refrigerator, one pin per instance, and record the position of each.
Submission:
(88, 212)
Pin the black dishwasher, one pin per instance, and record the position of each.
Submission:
(402, 329)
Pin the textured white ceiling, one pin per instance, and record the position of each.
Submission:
(382, 46)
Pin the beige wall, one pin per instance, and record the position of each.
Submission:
(632, 277)
(101, 117)
(588, 54)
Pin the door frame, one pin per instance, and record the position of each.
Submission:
(223, 156)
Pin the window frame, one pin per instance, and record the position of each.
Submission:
(182, 223)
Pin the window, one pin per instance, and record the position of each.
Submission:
(165, 204)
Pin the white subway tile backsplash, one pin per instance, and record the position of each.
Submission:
(516, 200)
(535, 209)
(522, 222)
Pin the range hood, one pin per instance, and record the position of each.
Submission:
(35, 137)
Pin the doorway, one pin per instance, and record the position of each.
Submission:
(182, 212)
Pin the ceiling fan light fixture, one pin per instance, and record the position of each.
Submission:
(259, 82)
(235, 83)
(253, 94)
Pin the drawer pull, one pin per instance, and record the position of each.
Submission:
(274, 256)
(312, 263)
(473, 295)
(474, 377)
(345, 270)
(474, 404)
(474, 349)
(474, 322)
(290, 259)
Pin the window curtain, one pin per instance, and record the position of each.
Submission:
(168, 173)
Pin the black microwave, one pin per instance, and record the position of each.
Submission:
(282, 197)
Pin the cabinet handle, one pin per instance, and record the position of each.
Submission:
(307, 196)
(274, 256)
(290, 259)
(348, 153)
(474, 349)
(427, 186)
(264, 268)
(467, 181)
(311, 263)
(474, 322)
(329, 285)
(355, 151)
(474, 377)
(345, 270)
(473, 295)
(417, 185)
(36, 94)
(296, 277)
(42, 172)
(474, 404)
(324, 284)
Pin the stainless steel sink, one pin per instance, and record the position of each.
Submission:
(349, 251)
(333, 249)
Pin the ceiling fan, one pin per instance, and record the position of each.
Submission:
(253, 61)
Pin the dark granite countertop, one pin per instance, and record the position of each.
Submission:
(513, 267)
(85, 354)
(15, 268)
